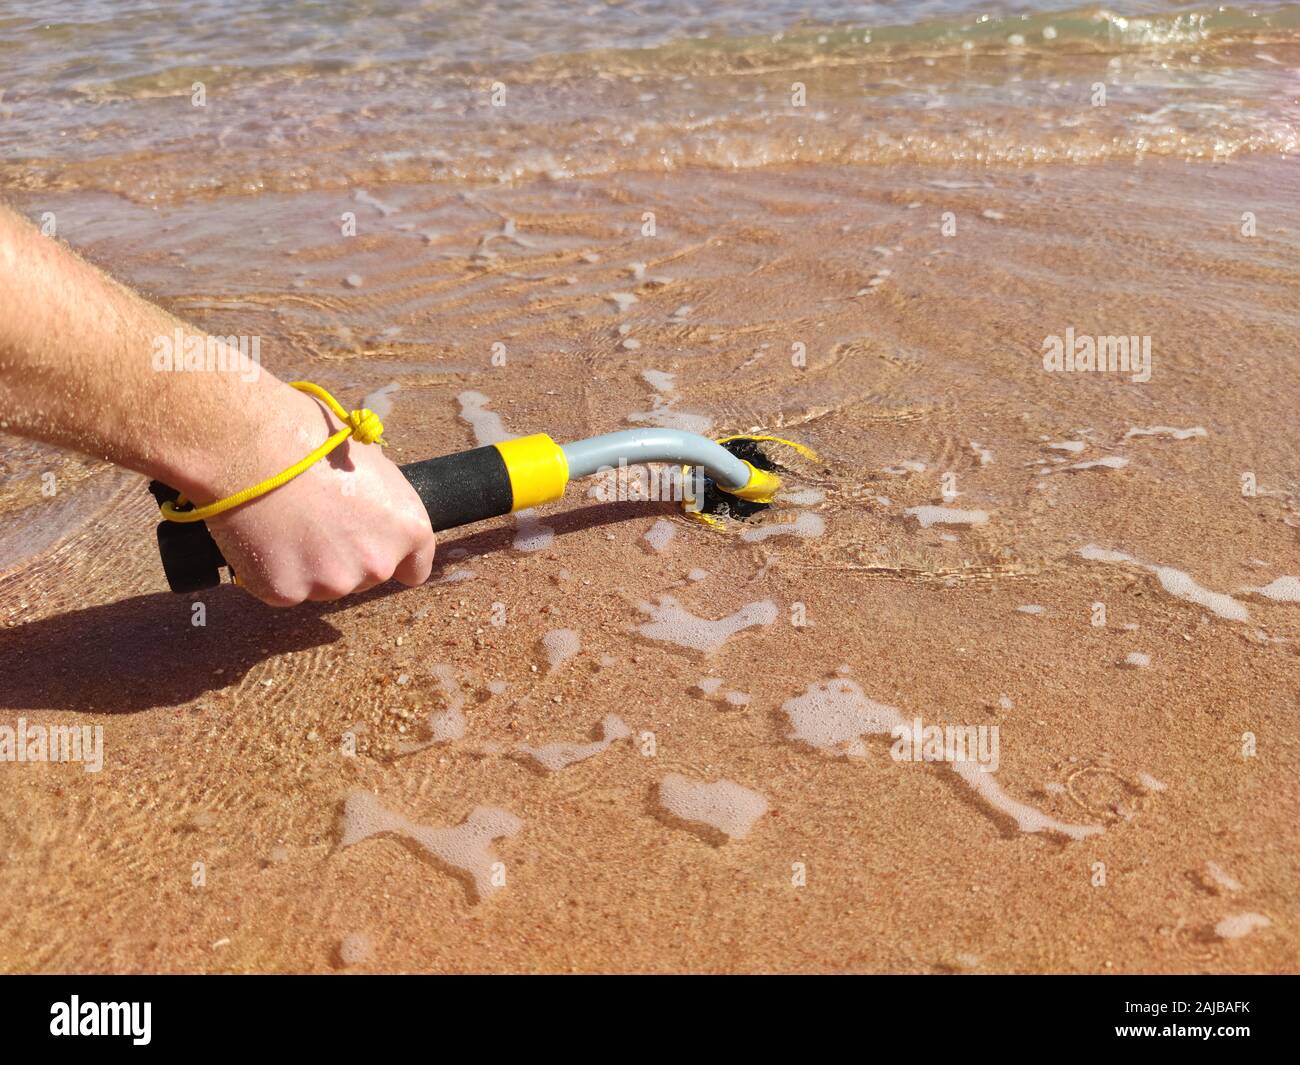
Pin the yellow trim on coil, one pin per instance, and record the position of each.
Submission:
(538, 470)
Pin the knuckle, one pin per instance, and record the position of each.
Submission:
(274, 595)
(331, 587)
(377, 567)
(419, 527)
(415, 568)
(278, 601)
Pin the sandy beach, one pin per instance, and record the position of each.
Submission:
(605, 737)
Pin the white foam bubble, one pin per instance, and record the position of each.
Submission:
(1283, 590)
(724, 805)
(802, 497)
(1150, 783)
(697, 575)
(1238, 925)
(1166, 430)
(931, 515)
(1031, 608)
(660, 380)
(1100, 554)
(487, 425)
(660, 534)
(560, 645)
(531, 534)
(709, 685)
(1137, 660)
(664, 412)
(1220, 880)
(623, 300)
(356, 947)
(381, 400)
(1110, 462)
(835, 716)
(1182, 586)
(806, 525)
(673, 623)
(466, 848)
(666, 416)
(1072, 446)
(1027, 818)
(907, 466)
(982, 453)
(1177, 583)
(556, 756)
(448, 723)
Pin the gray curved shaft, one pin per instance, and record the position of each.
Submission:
(586, 457)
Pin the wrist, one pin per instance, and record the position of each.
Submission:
(269, 430)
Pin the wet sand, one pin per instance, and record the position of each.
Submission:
(244, 745)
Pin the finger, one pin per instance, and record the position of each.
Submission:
(373, 578)
(415, 567)
(329, 589)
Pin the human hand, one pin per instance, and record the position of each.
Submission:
(347, 524)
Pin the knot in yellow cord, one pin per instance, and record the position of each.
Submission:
(363, 425)
(366, 426)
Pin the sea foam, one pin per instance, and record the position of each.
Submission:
(560, 645)
(1174, 581)
(930, 515)
(835, 716)
(673, 623)
(467, 848)
(722, 805)
(556, 756)
(806, 525)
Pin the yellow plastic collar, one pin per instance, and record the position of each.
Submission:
(762, 484)
(537, 467)
(760, 488)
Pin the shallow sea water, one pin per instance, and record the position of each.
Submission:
(473, 773)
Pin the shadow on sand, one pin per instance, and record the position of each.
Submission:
(143, 652)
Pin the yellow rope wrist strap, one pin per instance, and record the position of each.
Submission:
(362, 424)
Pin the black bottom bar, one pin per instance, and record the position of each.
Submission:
(984, 1015)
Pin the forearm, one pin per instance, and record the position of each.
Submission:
(82, 366)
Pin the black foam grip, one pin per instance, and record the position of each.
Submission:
(456, 490)
(462, 488)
